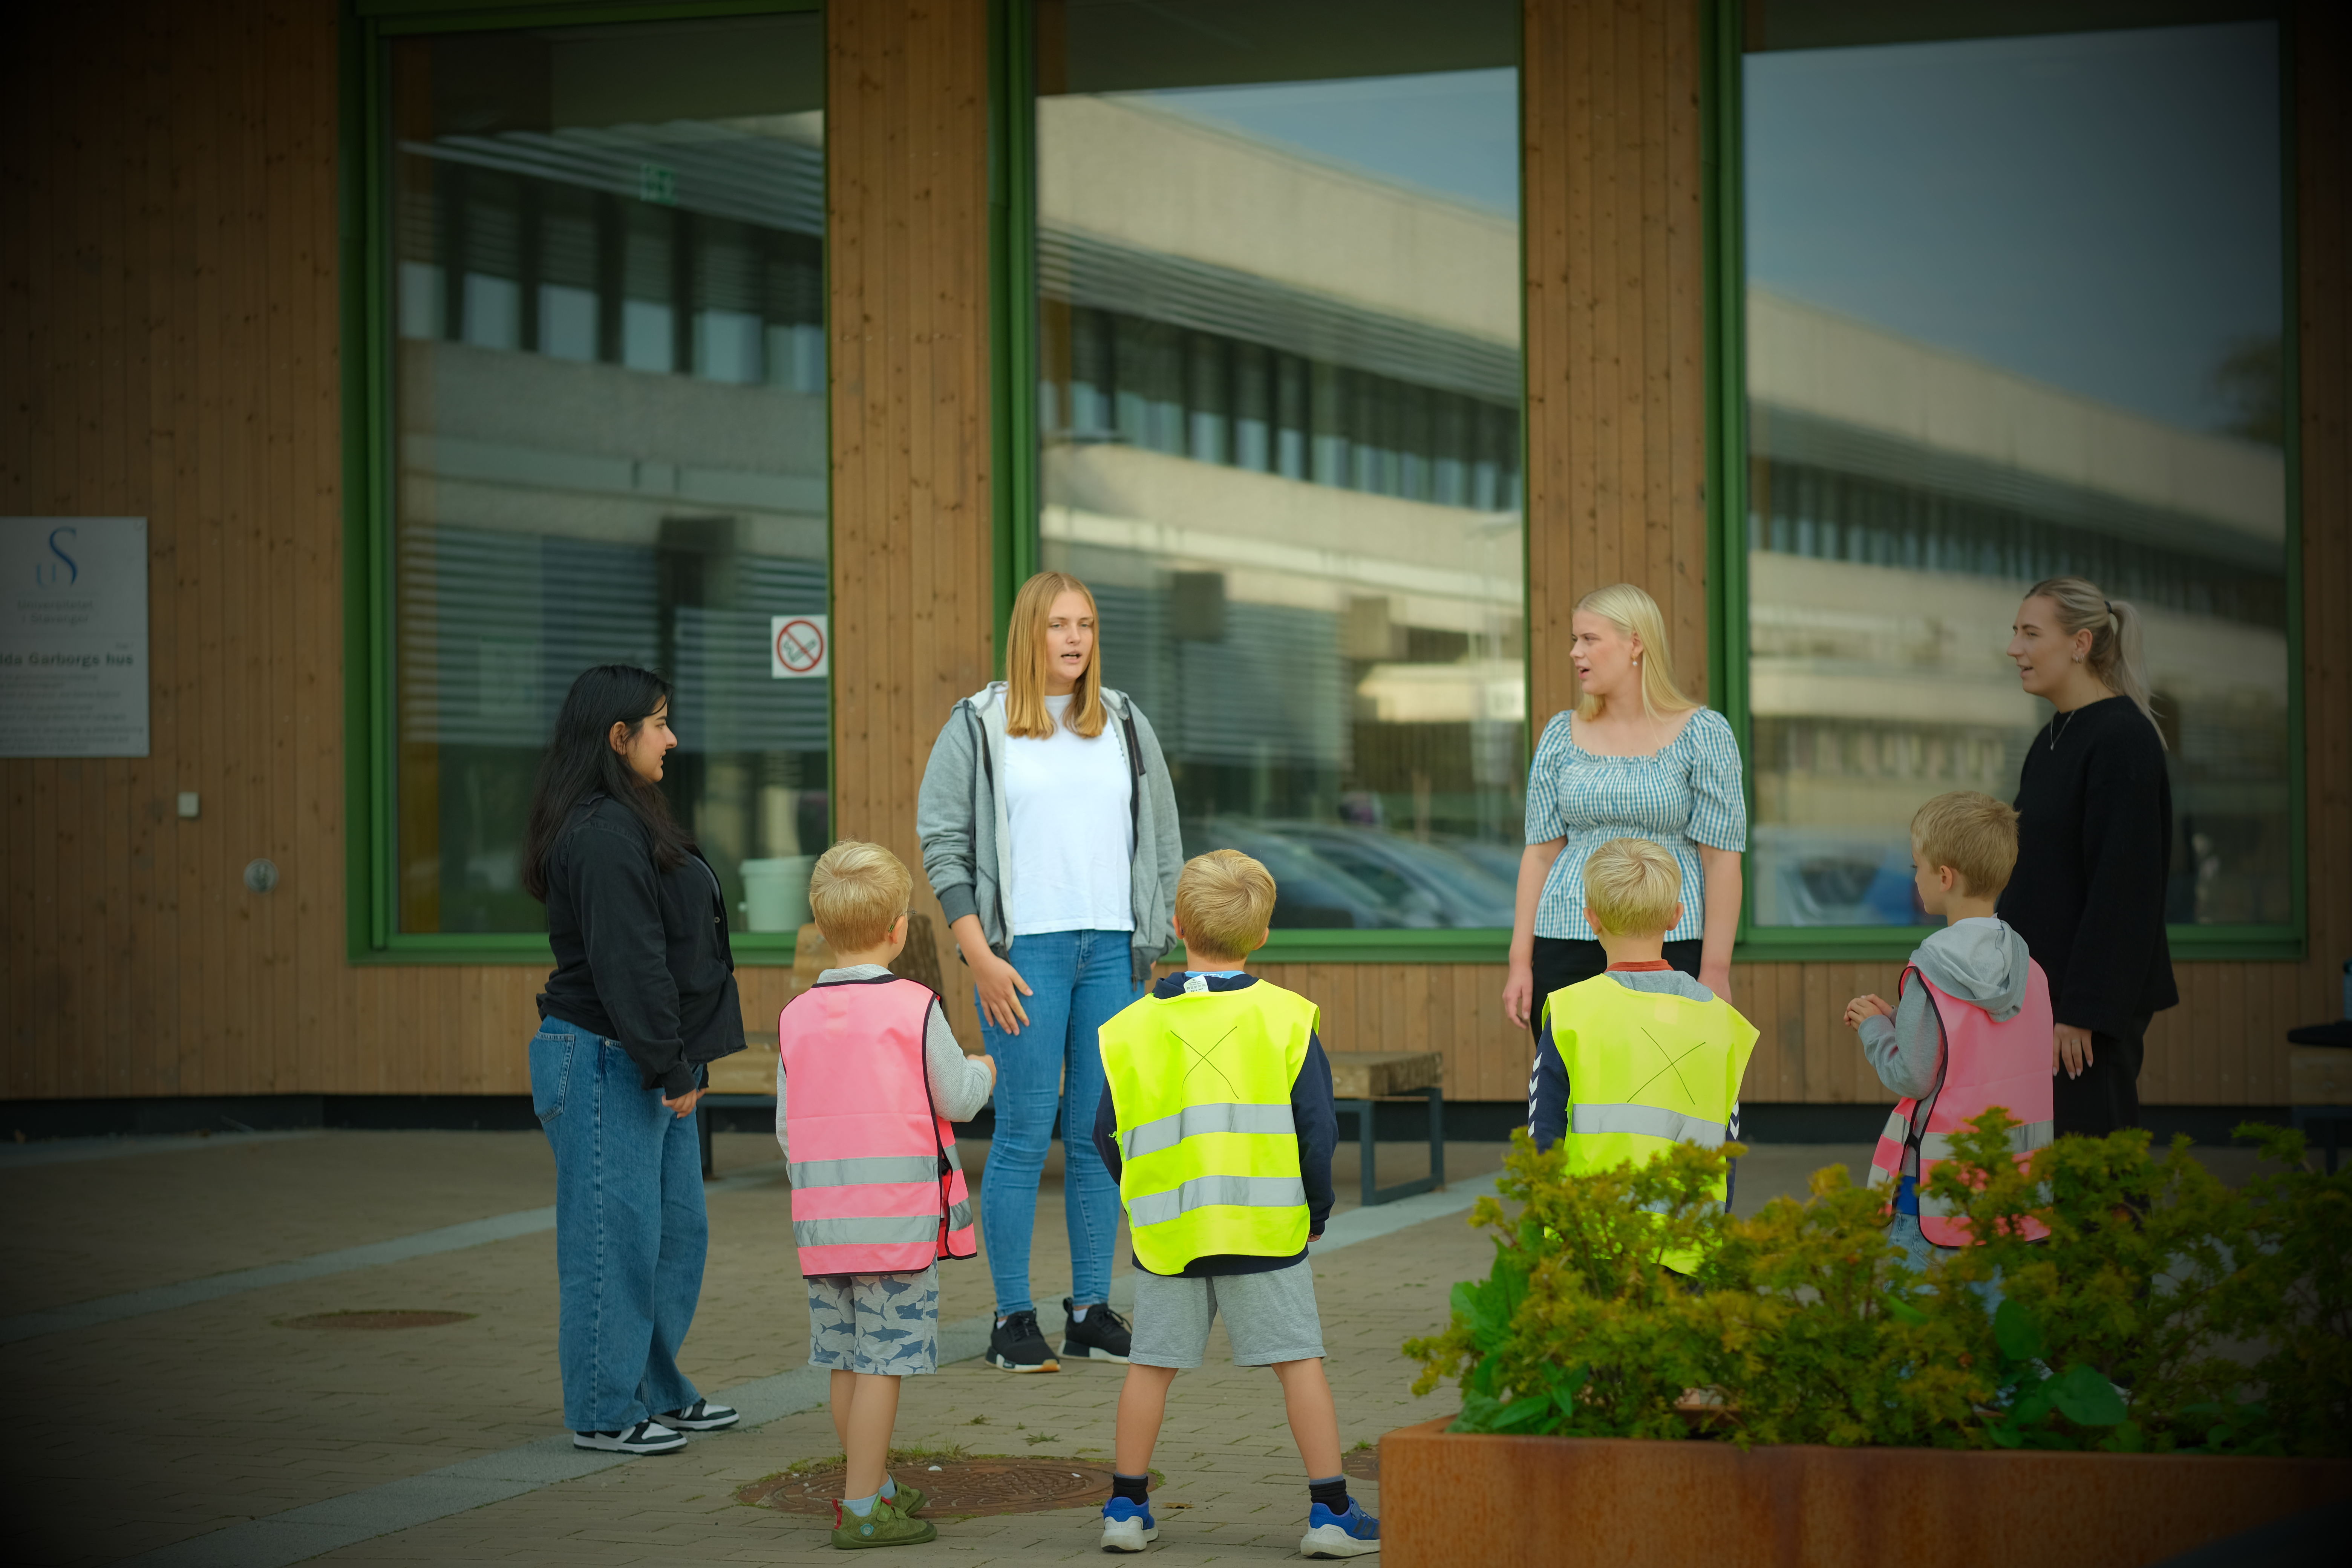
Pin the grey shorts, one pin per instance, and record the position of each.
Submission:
(1270, 1317)
(887, 1324)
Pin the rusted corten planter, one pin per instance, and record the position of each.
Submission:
(1452, 1501)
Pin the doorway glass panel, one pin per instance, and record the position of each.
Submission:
(1279, 417)
(609, 418)
(2014, 311)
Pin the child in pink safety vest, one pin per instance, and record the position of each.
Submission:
(869, 1081)
(1972, 1027)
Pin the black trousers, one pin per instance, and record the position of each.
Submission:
(1563, 961)
(2107, 1097)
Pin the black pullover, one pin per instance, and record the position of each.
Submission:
(2094, 854)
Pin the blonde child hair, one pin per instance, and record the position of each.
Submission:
(856, 894)
(1225, 900)
(1636, 614)
(1632, 887)
(1025, 715)
(1973, 834)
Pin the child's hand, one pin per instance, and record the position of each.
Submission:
(992, 1071)
(1861, 1007)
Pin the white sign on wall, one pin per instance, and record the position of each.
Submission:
(73, 636)
(799, 646)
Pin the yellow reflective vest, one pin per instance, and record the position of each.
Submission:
(1646, 1070)
(1200, 1083)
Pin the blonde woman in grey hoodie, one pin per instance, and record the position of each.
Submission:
(1048, 824)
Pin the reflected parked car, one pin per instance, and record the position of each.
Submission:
(1427, 884)
(1310, 893)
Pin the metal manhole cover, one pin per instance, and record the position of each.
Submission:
(1364, 1464)
(956, 1487)
(373, 1320)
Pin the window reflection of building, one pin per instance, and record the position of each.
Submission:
(1901, 499)
(610, 434)
(1280, 438)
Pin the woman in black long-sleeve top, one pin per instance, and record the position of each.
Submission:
(642, 999)
(2094, 845)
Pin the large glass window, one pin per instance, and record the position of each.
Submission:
(609, 437)
(1279, 411)
(2014, 310)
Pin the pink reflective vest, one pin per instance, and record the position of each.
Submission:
(1985, 1064)
(877, 1186)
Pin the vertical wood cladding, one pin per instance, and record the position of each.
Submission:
(907, 218)
(169, 348)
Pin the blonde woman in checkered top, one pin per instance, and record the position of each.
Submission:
(1633, 759)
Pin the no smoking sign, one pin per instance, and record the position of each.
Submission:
(799, 646)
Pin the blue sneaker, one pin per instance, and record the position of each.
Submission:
(1354, 1533)
(1127, 1526)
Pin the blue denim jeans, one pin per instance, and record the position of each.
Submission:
(630, 1231)
(1080, 978)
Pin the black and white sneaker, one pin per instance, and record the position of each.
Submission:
(1101, 1335)
(645, 1437)
(701, 1416)
(1017, 1344)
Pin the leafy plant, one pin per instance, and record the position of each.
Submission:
(1803, 1324)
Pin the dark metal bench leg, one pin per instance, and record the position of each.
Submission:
(1436, 1136)
(702, 1130)
(1371, 1147)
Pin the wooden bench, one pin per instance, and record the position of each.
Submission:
(2319, 1079)
(1362, 1079)
(747, 1078)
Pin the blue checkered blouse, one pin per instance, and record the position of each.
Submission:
(1683, 796)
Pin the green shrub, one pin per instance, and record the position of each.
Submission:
(1805, 1325)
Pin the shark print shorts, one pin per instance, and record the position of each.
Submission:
(884, 1324)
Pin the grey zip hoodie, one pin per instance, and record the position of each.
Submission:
(961, 819)
(1978, 960)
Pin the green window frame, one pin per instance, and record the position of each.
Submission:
(1013, 232)
(366, 327)
(1723, 25)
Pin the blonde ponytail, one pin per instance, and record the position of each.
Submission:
(2114, 625)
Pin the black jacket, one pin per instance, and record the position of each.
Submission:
(1311, 1111)
(641, 954)
(2094, 853)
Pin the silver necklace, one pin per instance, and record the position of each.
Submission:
(2058, 726)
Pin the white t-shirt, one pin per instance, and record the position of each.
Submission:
(1067, 800)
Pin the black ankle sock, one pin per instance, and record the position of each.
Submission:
(1331, 1492)
(1134, 1488)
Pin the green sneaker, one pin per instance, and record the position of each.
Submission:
(886, 1526)
(910, 1499)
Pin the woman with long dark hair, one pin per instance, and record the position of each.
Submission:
(643, 997)
(1048, 824)
(2094, 847)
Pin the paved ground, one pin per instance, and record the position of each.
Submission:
(169, 1425)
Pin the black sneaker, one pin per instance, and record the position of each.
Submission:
(1016, 1345)
(1101, 1335)
(701, 1416)
(645, 1437)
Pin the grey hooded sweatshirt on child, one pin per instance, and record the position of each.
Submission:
(961, 818)
(1978, 960)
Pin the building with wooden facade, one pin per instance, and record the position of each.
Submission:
(448, 346)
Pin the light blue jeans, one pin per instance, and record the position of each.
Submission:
(1080, 978)
(630, 1230)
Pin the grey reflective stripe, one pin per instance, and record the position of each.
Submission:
(1204, 1192)
(874, 1231)
(1650, 1121)
(1879, 1177)
(2022, 1139)
(954, 1156)
(1898, 1128)
(1155, 1137)
(865, 1171)
(959, 1217)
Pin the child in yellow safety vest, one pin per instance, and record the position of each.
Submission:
(1642, 1056)
(1217, 1122)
